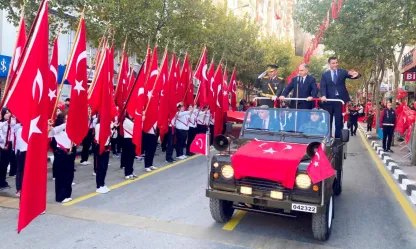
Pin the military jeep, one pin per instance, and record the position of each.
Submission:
(309, 128)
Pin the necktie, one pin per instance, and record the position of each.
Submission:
(335, 76)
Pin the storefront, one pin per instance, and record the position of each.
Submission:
(409, 74)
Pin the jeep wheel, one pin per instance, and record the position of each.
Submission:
(221, 211)
(322, 223)
(338, 183)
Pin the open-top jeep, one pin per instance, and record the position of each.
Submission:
(261, 178)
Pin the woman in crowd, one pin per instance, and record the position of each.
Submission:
(64, 157)
(181, 130)
(6, 129)
(128, 151)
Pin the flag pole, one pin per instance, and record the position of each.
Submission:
(96, 57)
(67, 65)
(94, 80)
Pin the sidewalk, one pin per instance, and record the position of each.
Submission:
(398, 156)
(398, 163)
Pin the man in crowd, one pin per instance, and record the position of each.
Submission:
(387, 123)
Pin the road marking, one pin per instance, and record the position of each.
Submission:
(411, 214)
(237, 217)
(118, 185)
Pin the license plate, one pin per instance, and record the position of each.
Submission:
(303, 208)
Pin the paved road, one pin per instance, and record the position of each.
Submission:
(168, 209)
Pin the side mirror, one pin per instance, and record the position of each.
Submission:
(229, 128)
(345, 135)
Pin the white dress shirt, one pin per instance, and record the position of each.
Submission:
(97, 135)
(128, 127)
(61, 137)
(21, 145)
(182, 120)
(193, 119)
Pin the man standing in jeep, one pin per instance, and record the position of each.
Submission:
(269, 86)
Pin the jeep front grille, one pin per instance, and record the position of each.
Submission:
(260, 184)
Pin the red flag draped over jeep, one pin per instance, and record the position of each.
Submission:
(273, 161)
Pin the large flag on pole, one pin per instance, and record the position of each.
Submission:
(183, 79)
(218, 111)
(201, 75)
(211, 91)
(225, 102)
(165, 95)
(77, 124)
(106, 99)
(28, 100)
(53, 78)
(233, 90)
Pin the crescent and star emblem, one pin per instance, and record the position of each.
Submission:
(218, 94)
(204, 72)
(53, 70)
(199, 143)
(154, 73)
(39, 83)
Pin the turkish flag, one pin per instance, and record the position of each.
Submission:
(211, 92)
(28, 101)
(219, 97)
(94, 97)
(167, 99)
(131, 102)
(327, 20)
(18, 49)
(160, 100)
(139, 106)
(334, 9)
(200, 144)
(173, 81)
(225, 103)
(189, 98)
(201, 75)
(77, 124)
(151, 76)
(274, 161)
(106, 100)
(153, 87)
(339, 5)
(122, 81)
(183, 81)
(233, 89)
(320, 168)
(53, 78)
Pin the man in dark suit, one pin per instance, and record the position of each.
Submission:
(333, 87)
(263, 120)
(303, 86)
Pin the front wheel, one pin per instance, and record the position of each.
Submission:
(322, 223)
(221, 211)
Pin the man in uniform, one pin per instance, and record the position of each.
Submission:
(269, 86)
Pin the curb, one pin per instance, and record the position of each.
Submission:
(408, 186)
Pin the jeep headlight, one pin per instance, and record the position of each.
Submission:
(227, 171)
(303, 181)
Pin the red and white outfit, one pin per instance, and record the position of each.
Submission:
(181, 132)
(128, 153)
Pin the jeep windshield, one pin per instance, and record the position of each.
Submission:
(288, 121)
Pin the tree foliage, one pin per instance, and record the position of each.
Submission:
(183, 25)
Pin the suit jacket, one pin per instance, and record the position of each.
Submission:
(257, 123)
(329, 88)
(307, 89)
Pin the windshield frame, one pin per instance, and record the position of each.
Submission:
(295, 132)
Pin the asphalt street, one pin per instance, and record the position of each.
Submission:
(168, 209)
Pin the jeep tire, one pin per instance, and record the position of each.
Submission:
(322, 222)
(338, 183)
(221, 211)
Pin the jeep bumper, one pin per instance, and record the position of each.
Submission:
(285, 205)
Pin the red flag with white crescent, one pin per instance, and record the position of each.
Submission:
(233, 90)
(28, 101)
(320, 168)
(211, 91)
(201, 75)
(200, 144)
(183, 80)
(18, 49)
(53, 78)
(274, 161)
(225, 102)
(152, 100)
(77, 125)
(219, 97)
